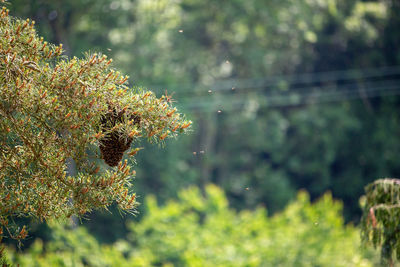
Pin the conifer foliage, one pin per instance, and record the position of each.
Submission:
(380, 222)
(53, 109)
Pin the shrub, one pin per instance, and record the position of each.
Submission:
(204, 231)
(380, 222)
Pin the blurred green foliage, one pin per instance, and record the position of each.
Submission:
(204, 231)
(272, 147)
(190, 46)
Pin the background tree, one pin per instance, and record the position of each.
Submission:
(315, 96)
(248, 46)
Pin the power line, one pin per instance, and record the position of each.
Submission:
(308, 78)
(288, 81)
(354, 85)
(311, 96)
(299, 89)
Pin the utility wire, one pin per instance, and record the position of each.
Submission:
(307, 78)
(288, 81)
(306, 90)
(308, 96)
(289, 90)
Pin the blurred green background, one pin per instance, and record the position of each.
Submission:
(285, 96)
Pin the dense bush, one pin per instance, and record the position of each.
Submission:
(380, 221)
(204, 231)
